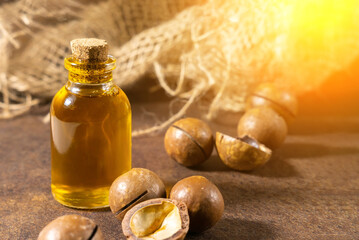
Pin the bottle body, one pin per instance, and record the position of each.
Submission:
(90, 142)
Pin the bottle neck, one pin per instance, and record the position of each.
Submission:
(91, 89)
(90, 72)
(90, 79)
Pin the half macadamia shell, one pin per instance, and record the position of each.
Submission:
(241, 154)
(158, 219)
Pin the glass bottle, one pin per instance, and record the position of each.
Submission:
(90, 129)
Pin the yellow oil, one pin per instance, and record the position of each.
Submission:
(90, 137)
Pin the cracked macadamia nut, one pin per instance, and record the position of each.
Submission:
(203, 199)
(137, 185)
(241, 154)
(71, 227)
(280, 99)
(264, 125)
(157, 219)
(189, 141)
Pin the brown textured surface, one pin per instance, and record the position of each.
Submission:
(308, 190)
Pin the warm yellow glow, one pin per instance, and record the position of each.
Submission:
(327, 13)
(317, 23)
(322, 38)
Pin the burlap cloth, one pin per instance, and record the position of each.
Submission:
(207, 52)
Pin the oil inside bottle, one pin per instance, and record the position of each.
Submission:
(90, 136)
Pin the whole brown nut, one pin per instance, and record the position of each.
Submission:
(158, 218)
(137, 185)
(243, 154)
(71, 227)
(280, 99)
(203, 199)
(189, 141)
(264, 125)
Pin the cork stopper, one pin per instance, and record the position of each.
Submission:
(89, 49)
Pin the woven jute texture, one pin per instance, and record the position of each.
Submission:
(207, 52)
